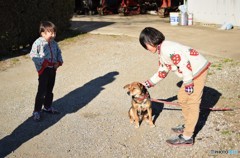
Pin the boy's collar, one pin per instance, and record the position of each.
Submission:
(42, 38)
(159, 48)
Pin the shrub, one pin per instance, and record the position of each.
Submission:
(20, 21)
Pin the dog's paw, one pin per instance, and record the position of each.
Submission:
(152, 126)
(136, 126)
(131, 121)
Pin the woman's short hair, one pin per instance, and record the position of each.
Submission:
(47, 26)
(151, 36)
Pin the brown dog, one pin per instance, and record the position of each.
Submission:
(141, 108)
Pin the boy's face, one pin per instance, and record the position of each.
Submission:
(48, 35)
(151, 48)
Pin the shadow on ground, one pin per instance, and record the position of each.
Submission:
(209, 100)
(81, 27)
(87, 26)
(70, 103)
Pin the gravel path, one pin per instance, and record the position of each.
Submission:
(94, 123)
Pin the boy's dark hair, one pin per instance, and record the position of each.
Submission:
(151, 36)
(47, 26)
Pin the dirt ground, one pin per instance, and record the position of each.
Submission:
(89, 93)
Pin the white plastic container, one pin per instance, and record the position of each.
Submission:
(174, 18)
(190, 19)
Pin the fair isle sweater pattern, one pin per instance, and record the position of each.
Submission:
(43, 52)
(186, 62)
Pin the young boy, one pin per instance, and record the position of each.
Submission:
(186, 63)
(47, 57)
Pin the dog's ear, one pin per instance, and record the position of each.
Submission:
(126, 86)
(143, 88)
(140, 85)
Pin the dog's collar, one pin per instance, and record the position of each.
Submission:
(141, 98)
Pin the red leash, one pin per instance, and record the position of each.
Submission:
(176, 104)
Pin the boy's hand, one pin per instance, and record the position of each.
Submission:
(56, 65)
(189, 89)
(45, 63)
(145, 84)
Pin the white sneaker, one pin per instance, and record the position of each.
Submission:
(36, 116)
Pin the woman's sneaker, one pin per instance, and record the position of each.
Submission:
(51, 110)
(179, 129)
(180, 141)
(36, 116)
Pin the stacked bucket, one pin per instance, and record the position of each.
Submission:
(181, 18)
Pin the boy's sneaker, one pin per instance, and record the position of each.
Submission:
(179, 129)
(36, 116)
(180, 141)
(51, 110)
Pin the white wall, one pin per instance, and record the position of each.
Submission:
(215, 11)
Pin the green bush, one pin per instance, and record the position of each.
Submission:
(20, 19)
